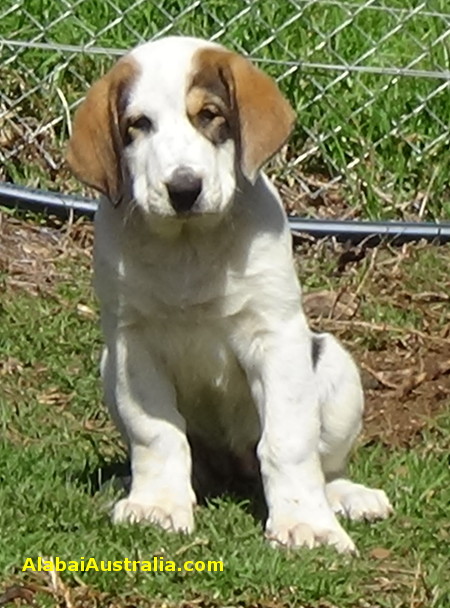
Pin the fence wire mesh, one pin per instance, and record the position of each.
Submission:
(369, 80)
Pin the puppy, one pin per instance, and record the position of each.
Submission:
(200, 304)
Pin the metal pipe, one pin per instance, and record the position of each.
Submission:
(373, 233)
(42, 201)
(355, 231)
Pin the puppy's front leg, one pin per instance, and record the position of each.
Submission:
(143, 400)
(282, 381)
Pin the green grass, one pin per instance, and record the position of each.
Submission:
(56, 438)
(397, 171)
(51, 452)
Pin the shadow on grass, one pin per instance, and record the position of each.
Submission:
(215, 474)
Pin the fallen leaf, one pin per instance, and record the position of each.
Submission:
(16, 592)
(86, 312)
(380, 553)
(329, 304)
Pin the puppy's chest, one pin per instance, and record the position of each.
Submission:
(178, 298)
(192, 310)
(184, 289)
(188, 305)
(195, 354)
(210, 384)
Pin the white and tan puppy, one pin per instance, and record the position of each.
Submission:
(200, 303)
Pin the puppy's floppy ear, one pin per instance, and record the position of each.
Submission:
(265, 117)
(95, 147)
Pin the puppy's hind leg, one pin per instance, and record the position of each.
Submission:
(341, 406)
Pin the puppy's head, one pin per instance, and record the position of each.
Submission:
(175, 124)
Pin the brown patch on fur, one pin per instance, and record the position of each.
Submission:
(209, 105)
(237, 95)
(209, 113)
(96, 144)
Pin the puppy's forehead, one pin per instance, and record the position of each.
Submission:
(166, 68)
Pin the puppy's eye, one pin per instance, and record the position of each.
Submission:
(136, 126)
(208, 114)
(142, 123)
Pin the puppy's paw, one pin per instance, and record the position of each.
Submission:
(357, 502)
(290, 533)
(170, 518)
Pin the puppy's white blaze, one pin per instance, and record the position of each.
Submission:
(159, 93)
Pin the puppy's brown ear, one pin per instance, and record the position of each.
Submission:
(265, 117)
(95, 147)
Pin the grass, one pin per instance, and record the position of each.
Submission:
(57, 441)
(403, 152)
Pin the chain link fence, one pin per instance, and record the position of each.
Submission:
(369, 80)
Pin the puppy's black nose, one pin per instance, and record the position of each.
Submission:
(184, 188)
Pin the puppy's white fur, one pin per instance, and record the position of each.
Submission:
(175, 142)
(204, 329)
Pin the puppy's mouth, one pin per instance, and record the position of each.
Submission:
(171, 222)
(198, 216)
(195, 213)
(198, 211)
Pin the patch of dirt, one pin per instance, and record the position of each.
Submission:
(316, 196)
(405, 394)
(31, 255)
(405, 362)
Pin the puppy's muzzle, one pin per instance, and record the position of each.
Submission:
(184, 188)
